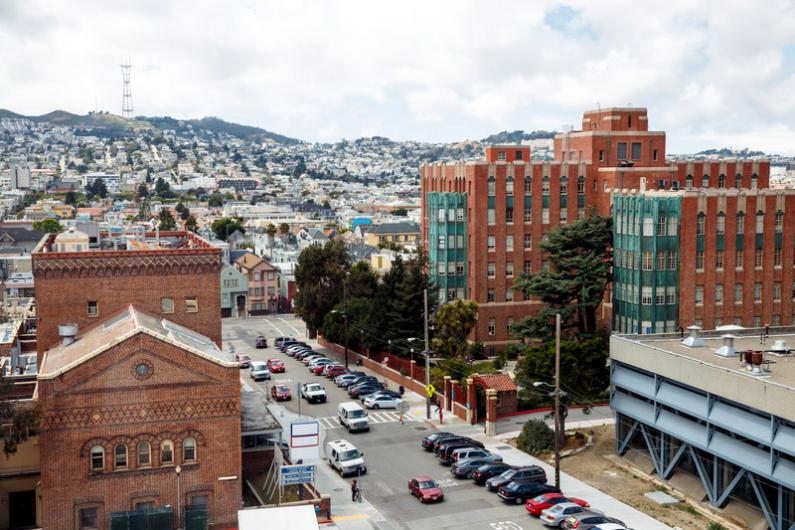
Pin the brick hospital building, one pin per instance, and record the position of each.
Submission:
(714, 226)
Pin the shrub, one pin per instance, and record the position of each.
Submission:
(499, 363)
(536, 437)
(477, 350)
(715, 526)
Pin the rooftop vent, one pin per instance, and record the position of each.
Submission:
(68, 332)
(780, 347)
(727, 350)
(693, 341)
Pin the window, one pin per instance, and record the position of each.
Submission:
(699, 260)
(451, 294)
(659, 295)
(757, 292)
(167, 305)
(441, 216)
(719, 259)
(460, 240)
(738, 181)
(721, 227)
(509, 215)
(441, 270)
(517, 155)
(699, 295)
(700, 224)
(545, 216)
(120, 456)
(491, 242)
(776, 321)
(779, 222)
(654, 155)
(459, 214)
(450, 268)
(492, 326)
(661, 224)
(528, 185)
(648, 261)
(508, 324)
(670, 295)
(754, 181)
(661, 259)
(635, 150)
(97, 458)
(545, 265)
(451, 241)
(777, 291)
(601, 156)
(198, 500)
(758, 258)
(500, 155)
(564, 216)
(492, 187)
(527, 267)
(581, 186)
(689, 181)
(509, 268)
(93, 309)
(718, 294)
(459, 268)
(509, 243)
(490, 216)
(722, 181)
(564, 186)
(760, 222)
(258, 275)
(629, 122)
(646, 297)
(528, 215)
(144, 454)
(738, 293)
(545, 186)
(442, 243)
(89, 518)
(192, 304)
(777, 258)
(491, 269)
(509, 186)
(166, 452)
(672, 260)
(509, 295)
(738, 259)
(189, 449)
(648, 226)
(621, 151)
(705, 181)
(740, 223)
(757, 321)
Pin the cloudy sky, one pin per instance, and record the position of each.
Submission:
(712, 74)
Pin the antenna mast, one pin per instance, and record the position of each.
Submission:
(126, 98)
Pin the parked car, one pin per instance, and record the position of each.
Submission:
(258, 370)
(518, 492)
(276, 366)
(524, 474)
(610, 526)
(261, 342)
(345, 379)
(319, 363)
(439, 444)
(555, 515)
(483, 473)
(547, 500)
(588, 520)
(281, 393)
(242, 360)
(445, 453)
(362, 379)
(425, 489)
(465, 453)
(381, 401)
(307, 359)
(364, 389)
(345, 457)
(279, 340)
(465, 468)
(428, 441)
(334, 370)
(313, 393)
(318, 369)
(300, 353)
(387, 392)
(288, 344)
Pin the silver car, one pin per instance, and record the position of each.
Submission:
(555, 515)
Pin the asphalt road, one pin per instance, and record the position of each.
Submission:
(392, 451)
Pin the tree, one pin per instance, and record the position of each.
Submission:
(226, 226)
(19, 420)
(580, 256)
(190, 223)
(284, 229)
(216, 200)
(163, 189)
(406, 309)
(100, 188)
(182, 210)
(402, 212)
(70, 198)
(166, 221)
(361, 281)
(319, 276)
(143, 191)
(51, 226)
(536, 437)
(452, 323)
(326, 205)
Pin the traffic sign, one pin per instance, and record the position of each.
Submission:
(430, 389)
(297, 474)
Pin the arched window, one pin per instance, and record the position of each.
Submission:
(740, 223)
(722, 181)
(705, 181)
(721, 223)
(528, 185)
(581, 185)
(492, 187)
(166, 452)
(144, 454)
(189, 449)
(509, 186)
(545, 186)
(97, 458)
(700, 224)
(689, 181)
(120, 456)
(564, 185)
(760, 222)
(779, 222)
(738, 180)
(754, 181)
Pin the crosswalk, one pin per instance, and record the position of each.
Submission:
(331, 422)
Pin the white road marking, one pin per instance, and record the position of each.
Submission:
(278, 331)
(447, 483)
(297, 333)
(331, 422)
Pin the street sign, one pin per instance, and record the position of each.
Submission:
(303, 474)
(430, 389)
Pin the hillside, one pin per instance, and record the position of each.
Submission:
(516, 137)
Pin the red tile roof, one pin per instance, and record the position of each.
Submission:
(499, 382)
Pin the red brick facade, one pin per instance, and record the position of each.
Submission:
(614, 151)
(104, 402)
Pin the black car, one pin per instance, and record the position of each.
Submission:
(364, 389)
(524, 474)
(361, 379)
(428, 441)
(261, 342)
(519, 492)
(485, 472)
(441, 445)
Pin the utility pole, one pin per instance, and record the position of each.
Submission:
(557, 400)
(345, 315)
(427, 356)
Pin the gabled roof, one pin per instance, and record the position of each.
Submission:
(393, 228)
(17, 233)
(248, 260)
(499, 382)
(120, 327)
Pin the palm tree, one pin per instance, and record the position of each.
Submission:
(271, 231)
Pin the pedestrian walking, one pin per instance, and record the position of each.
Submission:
(401, 390)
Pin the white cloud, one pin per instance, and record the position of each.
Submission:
(441, 70)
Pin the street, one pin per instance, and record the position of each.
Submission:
(392, 451)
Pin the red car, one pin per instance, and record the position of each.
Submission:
(546, 500)
(281, 393)
(425, 489)
(242, 360)
(276, 366)
(334, 370)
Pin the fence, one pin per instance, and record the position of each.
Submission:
(152, 519)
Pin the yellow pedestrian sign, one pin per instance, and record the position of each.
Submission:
(430, 389)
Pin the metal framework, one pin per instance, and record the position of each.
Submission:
(126, 98)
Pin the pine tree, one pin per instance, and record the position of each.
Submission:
(166, 221)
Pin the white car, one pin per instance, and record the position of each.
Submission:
(258, 370)
(310, 358)
(313, 393)
(382, 402)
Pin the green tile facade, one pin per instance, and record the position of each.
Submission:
(447, 239)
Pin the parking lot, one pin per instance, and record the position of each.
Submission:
(392, 452)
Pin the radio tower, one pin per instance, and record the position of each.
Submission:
(126, 98)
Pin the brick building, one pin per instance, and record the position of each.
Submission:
(174, 274)
(482, 220)
(140, 415)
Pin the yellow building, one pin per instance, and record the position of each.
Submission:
(20, 488)
(402, 234)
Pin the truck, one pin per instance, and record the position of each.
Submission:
(313, 393)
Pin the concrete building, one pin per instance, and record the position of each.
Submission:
(401, 234)
(712, 414)
(482, 221)
(234, 292)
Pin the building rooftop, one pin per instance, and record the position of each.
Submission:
(255, 418)
(132, 242)
(393, 228)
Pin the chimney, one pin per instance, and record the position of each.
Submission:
(727, 350)
(68, 332)
(693, 341)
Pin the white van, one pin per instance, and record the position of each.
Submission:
(352, 416)
(345, 458)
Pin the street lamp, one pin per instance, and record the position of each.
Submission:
(178, 470)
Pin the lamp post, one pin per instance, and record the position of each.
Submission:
(427, 353)
(345, 330)
(178, 470)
